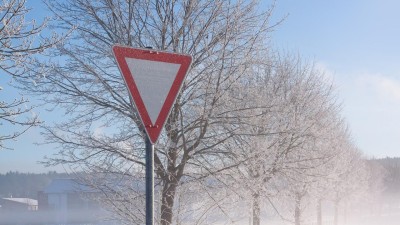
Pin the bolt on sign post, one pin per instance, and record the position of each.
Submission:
(153, 79)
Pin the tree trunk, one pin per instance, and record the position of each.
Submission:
(256, 209)
(297, 210)
(167, 202)
(336, 215)
(319, 212)
(345, 213)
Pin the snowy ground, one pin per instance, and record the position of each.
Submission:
(384, 219)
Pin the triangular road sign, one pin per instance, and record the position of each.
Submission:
(153, 79)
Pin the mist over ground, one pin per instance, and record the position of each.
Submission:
(378, 208)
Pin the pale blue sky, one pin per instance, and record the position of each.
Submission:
(356, 42)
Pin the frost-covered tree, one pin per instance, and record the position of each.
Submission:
(10, 117)
(338, 139)
(289, 138)
(100, 131)
(312, 114)
(314, 182)
(293, 144)
(351, 177)
(19, 43)
(301, 107)
(20, 40)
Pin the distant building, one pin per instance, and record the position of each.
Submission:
(66, 194)
(62, 202)
(18, 204)
(69, 201)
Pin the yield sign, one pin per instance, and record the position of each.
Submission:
(153, 80)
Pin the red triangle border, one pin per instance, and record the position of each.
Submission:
(121, 52)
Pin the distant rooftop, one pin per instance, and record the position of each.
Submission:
(26, 201)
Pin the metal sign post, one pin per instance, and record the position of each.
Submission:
(153, 79)
(149, 181)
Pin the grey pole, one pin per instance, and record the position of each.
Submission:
(149, 181)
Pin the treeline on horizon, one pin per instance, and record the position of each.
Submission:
(27, 185)
(391, 178)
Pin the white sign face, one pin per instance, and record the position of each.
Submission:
(153, 80)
